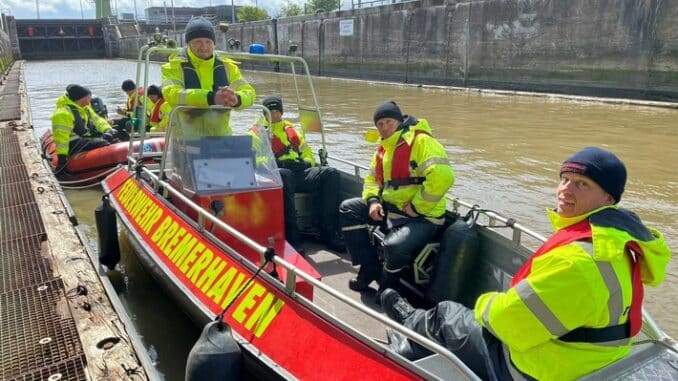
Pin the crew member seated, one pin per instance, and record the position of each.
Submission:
(159, 116)
(300, 173)
(404, 192)
(76, 127)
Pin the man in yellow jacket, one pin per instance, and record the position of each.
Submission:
(576, 304)
(405, 189)
(75, 125)
(198, 77)
(300, 173)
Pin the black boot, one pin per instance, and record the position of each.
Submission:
(395, 306)
(366, 275)
(387, 280)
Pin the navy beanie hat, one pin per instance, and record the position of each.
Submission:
(199, 27)
(273, 102)
(77, 92)
(388, 109)
(601, 166)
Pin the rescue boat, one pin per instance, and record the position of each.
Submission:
(89, 167)
(209, 227)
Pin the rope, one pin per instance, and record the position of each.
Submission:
(268, 256)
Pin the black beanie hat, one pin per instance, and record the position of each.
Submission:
(273, 102)
(128, 85)
(601, 166)
(199, 27)
(154, 90)
(388, 109)
(77, 92)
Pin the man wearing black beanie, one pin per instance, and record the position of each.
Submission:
(575, 306)
(76, 127)
(198, 77)
(405, 190)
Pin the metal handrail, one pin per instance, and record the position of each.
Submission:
(293, 271)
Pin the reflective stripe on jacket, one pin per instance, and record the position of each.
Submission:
(571, 286)
(176, 92)
(429, 161)
(64, 123)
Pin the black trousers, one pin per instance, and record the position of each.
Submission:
(85, 144)
(454, 326)
(323, 183)
(401, 244)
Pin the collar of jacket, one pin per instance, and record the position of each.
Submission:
(198, 62)
(559, 222)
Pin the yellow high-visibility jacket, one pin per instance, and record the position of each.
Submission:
(430, 161)
(177, 91)
(580, 284)
(64, 123)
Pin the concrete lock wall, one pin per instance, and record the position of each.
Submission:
(625, 48)
(605, 47)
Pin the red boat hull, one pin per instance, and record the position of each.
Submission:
(98, 162)
(279, 330)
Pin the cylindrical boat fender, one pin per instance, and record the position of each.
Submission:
(215, 356)
(107, 229)
(458, 254)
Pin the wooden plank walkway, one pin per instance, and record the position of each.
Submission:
(56, 319)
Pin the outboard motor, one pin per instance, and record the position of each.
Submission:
(459, 250)
(99, 107)
(107, 228)
(215, 356)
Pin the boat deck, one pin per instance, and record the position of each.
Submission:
(336, 270)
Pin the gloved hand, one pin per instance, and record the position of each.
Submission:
(63, 160)
(294, 165)
(108, 135)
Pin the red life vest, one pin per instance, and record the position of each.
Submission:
(582, 232)
(400, 167)
(155, 116)
(279, 148)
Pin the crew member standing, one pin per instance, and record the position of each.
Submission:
(198, 77)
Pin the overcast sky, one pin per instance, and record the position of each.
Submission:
(71, 9)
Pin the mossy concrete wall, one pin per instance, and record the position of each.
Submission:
(604, 47)
(624, 48)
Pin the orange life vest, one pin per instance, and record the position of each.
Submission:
(400, 168)
(279, 148)
(155, 116)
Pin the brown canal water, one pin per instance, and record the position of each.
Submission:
(505, 150)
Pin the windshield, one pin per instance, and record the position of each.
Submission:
(206, 156)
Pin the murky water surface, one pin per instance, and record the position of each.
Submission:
(505, 150)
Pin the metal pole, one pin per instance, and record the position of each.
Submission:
(37, 8)
(136, 15)
(164, 4)
(82, 13)
(232, 13)
(174, 24)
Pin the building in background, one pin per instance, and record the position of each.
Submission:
(181, 15)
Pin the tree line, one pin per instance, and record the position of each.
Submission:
(249, 13)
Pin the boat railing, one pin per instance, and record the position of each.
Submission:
(294, 62)
(293, 272)
(494, 219)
